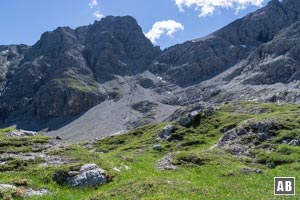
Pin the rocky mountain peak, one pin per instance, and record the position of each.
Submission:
(71, 65)
(198, 60)
(117, 45)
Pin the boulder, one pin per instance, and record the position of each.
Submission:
(188, 119)
(294, 143)
(58, 137)
(166, 131)
(89, 175)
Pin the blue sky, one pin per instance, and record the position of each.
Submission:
(23, 21)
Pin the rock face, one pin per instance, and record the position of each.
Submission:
(275, 61)
(117, 45)
(89, 175)
(269, 70)
(198, 60)
(61, 75)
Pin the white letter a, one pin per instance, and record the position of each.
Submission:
(280, 187)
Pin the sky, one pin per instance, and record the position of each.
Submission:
(164, 22)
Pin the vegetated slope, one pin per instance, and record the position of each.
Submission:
(200, 172)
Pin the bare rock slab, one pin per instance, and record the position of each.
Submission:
(89, 175)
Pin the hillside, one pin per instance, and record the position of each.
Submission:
(186, 166)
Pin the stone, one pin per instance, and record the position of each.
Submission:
(32, 192)
(157, 147)
(27, 191)
(185, 121)
(58, 137)
(166, 131)
(89, 175)
(294, 143)
(249, 170)
(286, 141)
(188, 119)
(165, 163)
(7, 187)
(271, 165)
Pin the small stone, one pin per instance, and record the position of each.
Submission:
(271, 165)
(286, 141)
(58, 137)
(116, 169)
(157, 147)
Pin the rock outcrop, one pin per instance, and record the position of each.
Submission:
(89, 175)
(242, 139)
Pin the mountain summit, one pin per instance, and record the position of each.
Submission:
(61, 75)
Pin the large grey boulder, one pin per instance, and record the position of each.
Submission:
(89, 175)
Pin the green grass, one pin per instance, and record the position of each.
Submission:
(74, 81)
(201, 173)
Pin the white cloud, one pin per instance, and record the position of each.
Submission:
(98, 15)
(93, 3)
(207, 7)
(159, 28)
